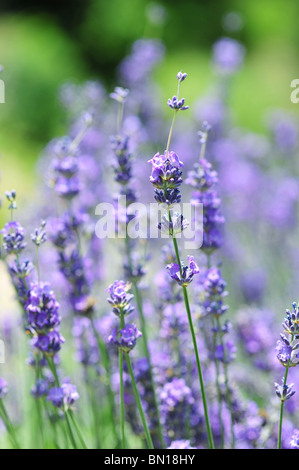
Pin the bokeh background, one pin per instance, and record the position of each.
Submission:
(44, 44)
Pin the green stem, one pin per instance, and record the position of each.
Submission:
(52, 367)
(227, 389)
(202, 387)
(120, 116)
(187, 305)
(75, 424)
(139, 404)
(8, 425)
(69, 427)
(218, 391)
(281, 409)
(121, 387)
(106, 363)
(145, 343)
(170, 132)
(95, 408)
(148, 356)
(121, 395)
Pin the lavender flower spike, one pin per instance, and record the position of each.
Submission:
(125, 338)
(63, 396)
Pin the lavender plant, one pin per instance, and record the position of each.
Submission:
(173, 391)
(166, 177)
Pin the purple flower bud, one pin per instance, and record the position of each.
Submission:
(181, 76)
(184, 276)
(284, 391)
(119, 94)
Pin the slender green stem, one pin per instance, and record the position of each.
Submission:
(202, 387)
(120, 116)
(95, 407)
(148, 356)
(139, 404)
(281, 409)
(170, 132)
(106, 363)
(121, 387)
(52, 367)
(75, 424)
(37, 265)
(145, 345)
(187, 305)
(121, 396)
(218, 391)
(203, 150)
(228, 396)
(69, 427)
(8, 425)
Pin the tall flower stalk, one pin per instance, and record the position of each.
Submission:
(287, 351)
(125, 338)
(166, 177)
(133, 266)
(41, 317)
(203, 179)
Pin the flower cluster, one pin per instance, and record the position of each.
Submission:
(176, 399)
(125, 338)
(166, 177)
(13, 238)
(65, 169)
(176, 104)
(64, 396)
(120, 297)
(11, 197)
(39, 235)
(203, 179)
(123, 159)
(44, 318)
(214, 292)
(183, 275)
(119, 94)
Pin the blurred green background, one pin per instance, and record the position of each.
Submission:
(44, 44)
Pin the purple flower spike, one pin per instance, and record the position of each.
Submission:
(120, 298)
(178, 105)
(126, 338)
(63, 396)
(13, 238)
(166, 177)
